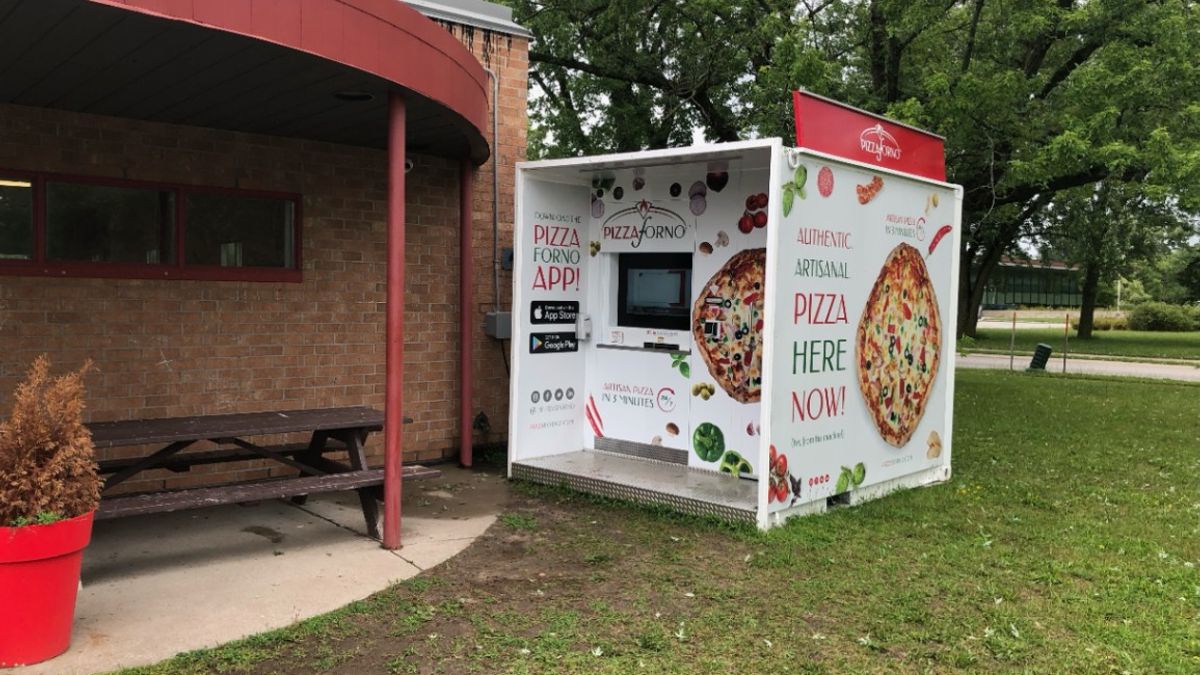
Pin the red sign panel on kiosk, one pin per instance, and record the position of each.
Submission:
(835, 128)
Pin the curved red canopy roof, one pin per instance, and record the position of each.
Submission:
(384, 38)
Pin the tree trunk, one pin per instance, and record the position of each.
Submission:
(877, 41)
(972, 282)
(966, 324)
(1087, 312)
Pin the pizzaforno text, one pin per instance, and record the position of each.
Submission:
(647, 230)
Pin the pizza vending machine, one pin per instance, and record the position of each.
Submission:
(747, 330)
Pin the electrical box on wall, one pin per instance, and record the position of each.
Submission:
(506, 259)
(498, 325)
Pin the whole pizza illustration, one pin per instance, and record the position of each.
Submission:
(899, 345)
(728, 322)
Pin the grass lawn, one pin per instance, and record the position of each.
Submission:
(1067, 541)
(1121, 343)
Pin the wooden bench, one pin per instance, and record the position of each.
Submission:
(332, 430)
(237, 493)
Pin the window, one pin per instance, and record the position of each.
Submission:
(100, 223)
(235, 231)
(63, 226)
(16, 218)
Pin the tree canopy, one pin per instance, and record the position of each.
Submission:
(1035, 97)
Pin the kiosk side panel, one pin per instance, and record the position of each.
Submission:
(863, 333)
(548, 379)
(728, 287)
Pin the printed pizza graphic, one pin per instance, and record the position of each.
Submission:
(899, 344)
(728, 325)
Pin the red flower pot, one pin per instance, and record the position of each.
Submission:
(39, 577)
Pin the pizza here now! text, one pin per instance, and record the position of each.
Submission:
(819, 355)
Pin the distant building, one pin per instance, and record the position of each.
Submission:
(1032, 283)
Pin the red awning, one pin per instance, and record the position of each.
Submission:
(317, 69)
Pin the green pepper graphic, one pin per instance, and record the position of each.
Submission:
(735, 464)
(708, 441)
(843, 484)
(859, 474)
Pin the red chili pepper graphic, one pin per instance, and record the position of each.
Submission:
(593, 417)
(942, 232)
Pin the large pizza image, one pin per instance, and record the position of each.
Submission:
(899, 345)
(728, 322)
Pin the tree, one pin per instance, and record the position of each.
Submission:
(628, 74)
(1106, 228)
(1189, 275)
(1034, 97)
(1163, 278)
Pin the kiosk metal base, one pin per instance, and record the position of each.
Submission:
(645, 481)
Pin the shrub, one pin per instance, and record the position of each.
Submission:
(1159, 316)
(1116, 322)
(46, 453)
(965, 344)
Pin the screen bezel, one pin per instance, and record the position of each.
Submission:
(651, 261)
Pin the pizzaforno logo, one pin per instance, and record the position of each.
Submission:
(877, 141)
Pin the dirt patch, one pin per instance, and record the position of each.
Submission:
(551, 564)
(273, 536)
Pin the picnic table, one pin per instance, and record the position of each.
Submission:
(332, 430)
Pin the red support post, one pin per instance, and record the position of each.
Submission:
(393, 415)
(466, 302)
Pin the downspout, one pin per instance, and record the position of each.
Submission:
(466, 423)
(495, 189)
(466, 302)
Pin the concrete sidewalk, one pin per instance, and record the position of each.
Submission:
(1161, 371)
(995, 324)
(157, 585)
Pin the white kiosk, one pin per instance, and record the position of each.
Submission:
(742, 330)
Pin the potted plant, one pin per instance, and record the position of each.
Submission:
(49, 490)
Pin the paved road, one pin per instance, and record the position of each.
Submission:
(1162, 371)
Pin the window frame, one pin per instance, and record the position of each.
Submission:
(40, 266)
(31, 177)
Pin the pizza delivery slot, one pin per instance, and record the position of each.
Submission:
(750, 333)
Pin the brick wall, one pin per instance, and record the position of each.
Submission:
(166, 348)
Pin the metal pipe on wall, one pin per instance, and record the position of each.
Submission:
(393, 415)
(495, 188)
(466, 301)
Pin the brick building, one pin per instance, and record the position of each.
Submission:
(123, 120)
